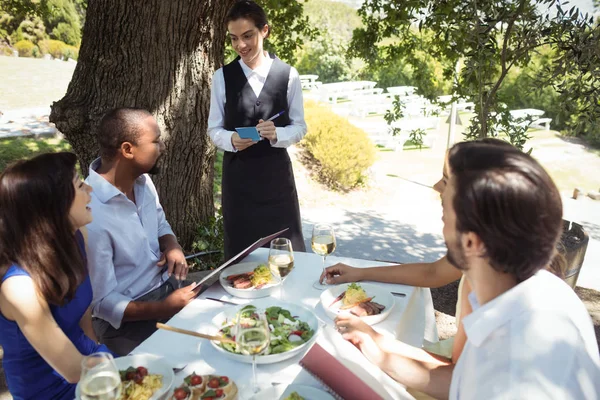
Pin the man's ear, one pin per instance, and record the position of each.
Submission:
(126, 150)
(472, 244)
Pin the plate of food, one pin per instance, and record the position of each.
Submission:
(292, 392)
(143, 377)
(370, 302)
(293, 329)
(203, 387)
(249, 280)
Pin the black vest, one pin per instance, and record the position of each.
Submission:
(243, 108)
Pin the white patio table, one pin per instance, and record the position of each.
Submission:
(411, 320)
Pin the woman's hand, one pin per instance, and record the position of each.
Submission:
(240, 144)
(341, 273)
(267, 130)
(365, 338)
(353, 329)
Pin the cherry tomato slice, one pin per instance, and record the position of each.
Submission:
(142, 371)
(138, 379)
(180, 394)
(196, 380)
(219, 392)
(224, 379)
(213, 383)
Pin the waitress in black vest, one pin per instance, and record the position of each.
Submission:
(258, 188)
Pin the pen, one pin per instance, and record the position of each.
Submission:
(276, 115)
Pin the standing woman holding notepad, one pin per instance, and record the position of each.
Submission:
(259, 191)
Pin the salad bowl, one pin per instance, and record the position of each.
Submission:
(284, 318)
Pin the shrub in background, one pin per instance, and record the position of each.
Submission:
(55, 48)
(70, 52)
(25, 48)
(343, 151)
(209, 237)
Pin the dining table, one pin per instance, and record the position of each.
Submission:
(411, 321)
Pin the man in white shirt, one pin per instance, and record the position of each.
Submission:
(529, 336)
(135, 262)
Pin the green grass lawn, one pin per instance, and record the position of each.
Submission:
(32, 82)
(16, 148)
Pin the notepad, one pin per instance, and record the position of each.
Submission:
(248, 133)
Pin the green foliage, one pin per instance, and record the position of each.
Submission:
(64, 22)
(289, 28)
(14, 149)
(489, 38)
(25, 48)
(209, 237)
(55, 48)
(521, 90)
(326, 59)
(32, 29)
(343, 151)
(327, 54)
(66, 33)
(416, 137)
(34, 20)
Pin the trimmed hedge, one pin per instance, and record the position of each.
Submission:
(25, 48)
(343, 151)
(58, 49)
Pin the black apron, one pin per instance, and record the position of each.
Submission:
(258, 189)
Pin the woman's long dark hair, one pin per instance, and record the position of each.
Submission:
(35, 230)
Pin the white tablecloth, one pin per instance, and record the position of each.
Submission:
(411, 320)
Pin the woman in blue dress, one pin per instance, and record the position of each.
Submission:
(45, 291)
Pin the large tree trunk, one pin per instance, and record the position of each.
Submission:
(158, 55)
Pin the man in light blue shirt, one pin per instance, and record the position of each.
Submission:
(133, 255)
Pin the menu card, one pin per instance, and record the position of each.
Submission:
(335, 376)
(259, 243)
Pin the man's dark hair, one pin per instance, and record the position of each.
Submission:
(248, 9)
(118, 126)
(506, 198)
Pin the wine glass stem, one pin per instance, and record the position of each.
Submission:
(254, 381)
(324, 263)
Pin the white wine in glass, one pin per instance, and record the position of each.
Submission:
(281, 257)
(252, 337)
(100, 379)
(323, 244)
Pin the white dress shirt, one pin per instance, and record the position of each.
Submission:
(536, 341)
(286, 136)
(123, 244)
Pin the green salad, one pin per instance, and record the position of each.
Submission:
(287, 331)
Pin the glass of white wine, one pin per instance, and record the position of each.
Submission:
(252, 337)
(323, 244)
(281, 257)
(100, 379)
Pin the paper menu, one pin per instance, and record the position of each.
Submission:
(259, 243)
(336, 376)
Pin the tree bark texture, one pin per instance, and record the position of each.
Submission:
(158, 55)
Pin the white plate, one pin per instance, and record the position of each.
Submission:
(304, 314)
(250, 293)
(154, 364)
(282, 391)
(382, 297)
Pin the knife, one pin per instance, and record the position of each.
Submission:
(202, 253)
(222, 301)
